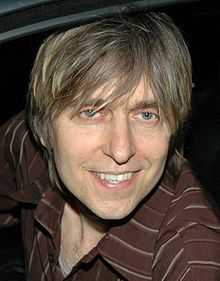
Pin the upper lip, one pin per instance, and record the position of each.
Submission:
(114, 172)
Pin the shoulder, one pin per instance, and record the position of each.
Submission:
(18, 150)
(14, 127)
(11, 135)
(191, 203)
(188, 244)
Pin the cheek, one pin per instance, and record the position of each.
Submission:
(153, 145)
(74, 147)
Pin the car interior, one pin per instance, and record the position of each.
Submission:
(199, 22)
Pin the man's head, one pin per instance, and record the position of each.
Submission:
(105, 100)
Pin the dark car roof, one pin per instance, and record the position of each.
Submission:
(23, 17)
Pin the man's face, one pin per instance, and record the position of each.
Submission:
(110, 159)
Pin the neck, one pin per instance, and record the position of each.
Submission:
(92, 230)
(80, 233)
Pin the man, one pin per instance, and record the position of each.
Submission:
(107, 103)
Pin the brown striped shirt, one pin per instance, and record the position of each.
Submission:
(174, 235)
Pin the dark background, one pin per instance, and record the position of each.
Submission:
(200, 24)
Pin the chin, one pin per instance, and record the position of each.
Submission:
(117, 213)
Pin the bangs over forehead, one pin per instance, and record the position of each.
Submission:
(113, 68)
(110, 57)
(114, 55)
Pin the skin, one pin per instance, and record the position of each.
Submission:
(125, 138)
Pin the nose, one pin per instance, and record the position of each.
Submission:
(119, 143)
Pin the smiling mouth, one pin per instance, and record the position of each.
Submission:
(115, 179)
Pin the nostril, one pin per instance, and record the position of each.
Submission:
(120, 155)
(119, 143)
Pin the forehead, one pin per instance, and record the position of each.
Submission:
(106, 95)
(142, 93)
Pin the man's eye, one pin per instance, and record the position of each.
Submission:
(149, 116)
(90, 114)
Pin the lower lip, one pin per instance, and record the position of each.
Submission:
(115, 187)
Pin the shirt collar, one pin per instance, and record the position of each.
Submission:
(30, 193)
(49, 203)
(129, 248)
(126, 247)
(49, 211)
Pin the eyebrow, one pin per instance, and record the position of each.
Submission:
(146, 104)
(139, 105)
(94, 102)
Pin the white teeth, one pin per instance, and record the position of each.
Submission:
(114, 179)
